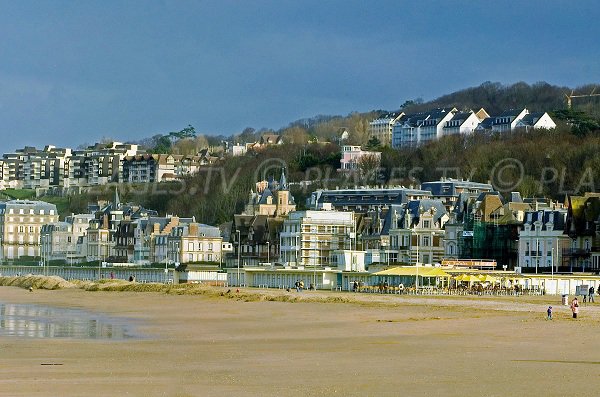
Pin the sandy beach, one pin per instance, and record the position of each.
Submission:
(197, 345)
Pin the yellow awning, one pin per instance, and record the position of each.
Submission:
(468, 278)
(413, 271)
(486, 278)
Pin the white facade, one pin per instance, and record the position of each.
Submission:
(309, 238)
(238, 150)
(349, 260)
(536, 121)
(508, 120)
(461, 125)
(420, 128)
(21, 224)
(542, 239)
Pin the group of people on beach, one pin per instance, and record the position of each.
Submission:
(574, 306)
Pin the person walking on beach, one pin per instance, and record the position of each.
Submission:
(591, 294)
(549, 311)
(575, 307)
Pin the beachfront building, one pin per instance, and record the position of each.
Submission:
(309, 238)
(150, 238)
(21, 223)
(107, 233)
(59, 240)
(195, 243)
(416, 232)
(583, 229)
(542, 240)
(352, 156)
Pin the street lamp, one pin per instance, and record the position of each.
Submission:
(99, 254)
(268, 252)
(239, 251)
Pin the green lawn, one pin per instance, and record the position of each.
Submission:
(19, 194)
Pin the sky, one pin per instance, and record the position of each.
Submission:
(75, 72)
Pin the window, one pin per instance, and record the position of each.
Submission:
(426, 224)
(426, 241)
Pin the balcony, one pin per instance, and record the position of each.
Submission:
(576, 252)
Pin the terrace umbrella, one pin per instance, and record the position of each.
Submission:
(468, 278)
(486, 278)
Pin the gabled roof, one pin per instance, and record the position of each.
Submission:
(486, 124)
(266, 194)
(532, 118)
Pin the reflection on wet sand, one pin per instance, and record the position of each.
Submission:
(35, 321)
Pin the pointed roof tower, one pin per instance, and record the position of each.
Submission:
(283, 181)
(117, 202)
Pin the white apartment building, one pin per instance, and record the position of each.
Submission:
(461, 123)
(21, 223)
(416, 233)
(419, 128)
(310, 238)
(542, 240)
(536, 120)
(507, 121)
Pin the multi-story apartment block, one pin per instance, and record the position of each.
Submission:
(150, 168)
(143, 240)
(352, 155)
(407, 233)
(54, 167)
(195, 242)
(60, 240)
(310, 238)
(102, 234)
(536, 120)
(103, 162)
(4, 175)
(507, 121)
(463, 123)
(542, 240)
(45, 168)
(21, 223)
(419, 128)
(381, 128)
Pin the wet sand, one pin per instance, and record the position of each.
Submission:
(380, 346)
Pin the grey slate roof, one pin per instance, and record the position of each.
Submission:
(559, 223)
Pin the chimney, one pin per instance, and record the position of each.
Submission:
(193, 229)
